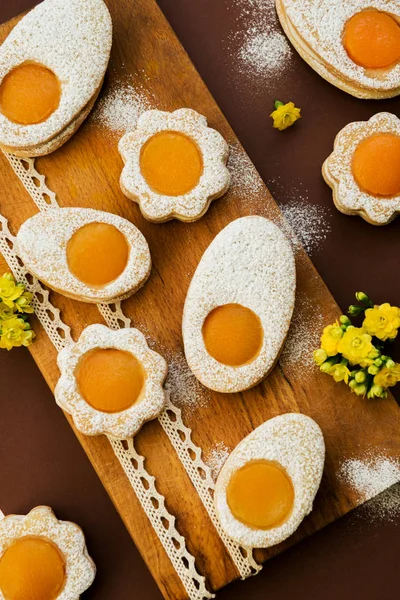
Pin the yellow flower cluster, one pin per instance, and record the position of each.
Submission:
(15, 305)
(356, 355)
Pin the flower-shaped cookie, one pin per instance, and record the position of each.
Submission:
(174, 165)
(364, 169)
(55, 550)
(111, 382)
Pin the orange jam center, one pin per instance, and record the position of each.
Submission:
(110, 380)
(260, 494)
(171, 163)
(376, 164)
(372, 39)
(29, 94)
(233, 334)
(32, 568)
(97, 253)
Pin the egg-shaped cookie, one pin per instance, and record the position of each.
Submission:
(85, 254)
(239, 305)
(268, 483)
(52, 66)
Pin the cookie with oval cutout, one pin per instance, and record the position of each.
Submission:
(42, 558)
(364, 169)
(268, 483)
(111, 383)
(85, 254)
(175, 165)
(355, 45)
(52, 66)
(239, 305)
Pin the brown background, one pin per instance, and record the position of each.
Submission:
(40, 460)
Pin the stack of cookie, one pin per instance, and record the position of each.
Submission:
(52, 67)
(355, 45)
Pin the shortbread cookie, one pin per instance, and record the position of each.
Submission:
(174, 165)
(269, 482)
(355, 45)
(364, 169)
(42, 558)
(85, 254)
(51, 68)
(239, 305)
(111, 382)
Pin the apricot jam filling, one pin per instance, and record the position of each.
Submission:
(372, 39)
(233, 334)
(29, 94)
(32, 568)
(376, 164)
(171, 163)
(260, 494)
(110, 380)
(97, 254)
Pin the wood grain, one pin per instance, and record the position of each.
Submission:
(85, 172)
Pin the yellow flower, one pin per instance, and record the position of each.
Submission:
(15, 332)
(382, 321)
(5, 311)
(285, 115)
(340, 372)
(355, 345)
(9, 290)
(23, 303)
(388, 377)
(330, 339)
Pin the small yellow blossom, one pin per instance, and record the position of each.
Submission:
(382, 321)
(388, 377)
(340, 372)
(330, 339)
(23, 303)
(355, 345)
(5, 312)
(9, 290)
(285, 115)
(15, 332)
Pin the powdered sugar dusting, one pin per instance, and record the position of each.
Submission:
(216, 458)
(120, 108)
(371, 474)
(303, 338)
(306, 224)
(245, 176)
(182, 386)
(258, 47)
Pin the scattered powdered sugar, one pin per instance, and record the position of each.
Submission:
(258, 47)
(245, 176)
(216, 458)
(303, 338)
(371, 474)
(120, 107)
(182, 386)
(383, 508)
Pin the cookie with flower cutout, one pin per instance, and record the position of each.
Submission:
(52, 66)
(42, 558)
(363, 169)
(175, 165)
(111, 382)
(355, 45)
(85, 254)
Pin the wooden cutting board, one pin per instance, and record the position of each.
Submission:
(85, 172)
